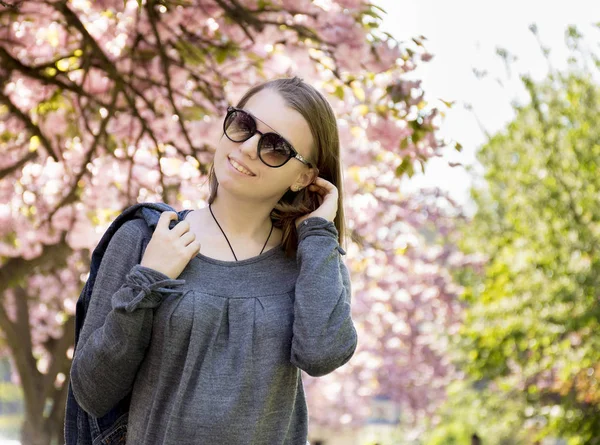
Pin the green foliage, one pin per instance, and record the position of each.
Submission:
(533, 320)
(472, 408)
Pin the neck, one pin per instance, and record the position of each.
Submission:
(241, 217)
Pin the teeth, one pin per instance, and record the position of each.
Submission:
(239, 168)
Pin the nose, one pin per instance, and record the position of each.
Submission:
(249, 146)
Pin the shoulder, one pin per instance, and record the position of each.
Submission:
(130, 233)
(125, 248)
(197, 215)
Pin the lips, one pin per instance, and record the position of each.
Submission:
(242, 164)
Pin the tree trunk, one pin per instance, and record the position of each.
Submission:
(45, 431)
(34, 432)
(41, 426)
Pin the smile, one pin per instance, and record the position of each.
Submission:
(237, 167)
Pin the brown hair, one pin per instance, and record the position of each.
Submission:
(317, 112)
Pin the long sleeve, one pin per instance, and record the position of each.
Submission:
(324, 336)
(118, 323)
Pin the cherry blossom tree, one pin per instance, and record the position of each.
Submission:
(111, 102)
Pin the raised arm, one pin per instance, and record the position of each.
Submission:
(324, 336)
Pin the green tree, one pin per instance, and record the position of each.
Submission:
(495, 416)
(532, 327)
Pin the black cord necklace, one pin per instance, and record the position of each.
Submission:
(213, 215)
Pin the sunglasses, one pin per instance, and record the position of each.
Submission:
(273, 149)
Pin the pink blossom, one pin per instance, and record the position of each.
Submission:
(402, 291)
(426, 57)
(351, 4)
(388, 133)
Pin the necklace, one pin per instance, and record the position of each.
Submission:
(213, 215)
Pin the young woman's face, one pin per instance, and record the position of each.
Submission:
(272, 115)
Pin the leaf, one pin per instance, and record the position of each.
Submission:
(417, 41)
(193, 113)
(191, 54)
(220, 55)
(389, 36)
(372, 13)
(405, 167)
(372, 5)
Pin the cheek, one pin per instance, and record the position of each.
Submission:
(224, 144)
(284, 177)
(222, 150)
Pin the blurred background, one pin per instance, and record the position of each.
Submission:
(470, 147)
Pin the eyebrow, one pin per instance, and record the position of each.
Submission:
(254, 116)
(274, 131)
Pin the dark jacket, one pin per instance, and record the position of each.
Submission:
(81, 428)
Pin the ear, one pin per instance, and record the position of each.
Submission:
(305, 178)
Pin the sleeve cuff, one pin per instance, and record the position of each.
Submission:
(316, 225)
(152, 286)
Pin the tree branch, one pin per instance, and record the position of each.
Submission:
(34, 73)
(71, 196)
(165, 67)
(14, 5)
(15, 269)
(30, 156)
(33, 128)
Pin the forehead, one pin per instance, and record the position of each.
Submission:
(268, 106)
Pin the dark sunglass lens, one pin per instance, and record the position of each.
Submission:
(274, 151)
(239, 126)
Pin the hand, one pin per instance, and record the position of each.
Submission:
(170, 250)
(328, 200)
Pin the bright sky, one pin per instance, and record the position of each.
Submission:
(464, 34)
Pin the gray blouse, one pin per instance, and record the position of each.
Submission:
(214, 357)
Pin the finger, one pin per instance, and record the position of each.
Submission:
(193, 248)
(318, 186)
(181, 227)
(165, 219)
(324, 183)
(187, 238)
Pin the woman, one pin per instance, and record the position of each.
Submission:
(210, 330)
